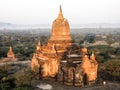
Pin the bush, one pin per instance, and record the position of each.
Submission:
(5, 86)
(112, 68)
(23, 77)
(100, 59)
(2, 74)
(23, 88)
(5, 82)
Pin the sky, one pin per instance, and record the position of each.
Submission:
(45, 11)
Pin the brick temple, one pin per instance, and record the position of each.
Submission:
(63, 59)
(10, 56)
(10, 53)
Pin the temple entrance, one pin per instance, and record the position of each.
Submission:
(85, 79)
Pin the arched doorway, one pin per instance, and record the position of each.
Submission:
(85, 79)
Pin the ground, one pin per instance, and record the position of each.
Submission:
(52, 85)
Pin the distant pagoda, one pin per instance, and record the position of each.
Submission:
(10, 53)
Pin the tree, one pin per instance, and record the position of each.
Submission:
(5, 82)
(112, 67)
(23, 77)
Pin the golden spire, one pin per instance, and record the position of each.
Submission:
(34, 56)
(93, 54)
(38, 47)
(39, 43)
(92, 57)
(10, 49)
(60, 15)
(53, 47)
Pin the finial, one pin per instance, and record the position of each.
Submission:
(60, 8)
(39, 43)
(84, 44)
(34, 55)
(60, 15)
(10, 48)
(53, 47)
(93, 53)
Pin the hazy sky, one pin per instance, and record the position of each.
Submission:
(45, 11)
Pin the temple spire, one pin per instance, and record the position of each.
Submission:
(10, 49)
(39, 43)
(60, 15)
(10, 53)
(38, 47)
(93, 53)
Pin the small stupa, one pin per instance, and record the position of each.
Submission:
(10, 53)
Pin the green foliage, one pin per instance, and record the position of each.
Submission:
(118, 51)
(103, 52)
(3, 51)
(43, 39)
(110, 39)
(112, 70)
(23, 77)
(20, 81)
(100, 59)
(23, 88)
(5, 82)
(23, 45)
(113, 66)
(90, 38)
(5, 86)
(2, 73)
(77, 38)
(102, 48)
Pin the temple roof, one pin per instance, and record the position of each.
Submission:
(10, 50)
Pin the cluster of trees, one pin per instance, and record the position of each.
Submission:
(105, 52)
(110, 70)
(21, 80)
(23, 46)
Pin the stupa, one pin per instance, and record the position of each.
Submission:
(10, 53)
(60, 35)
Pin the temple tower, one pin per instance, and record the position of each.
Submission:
(60, 28)
(38, 47)
(60, 35)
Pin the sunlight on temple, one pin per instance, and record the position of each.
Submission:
(64, 59)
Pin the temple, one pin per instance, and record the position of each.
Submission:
(10, 53)
(10, 56)
(64, 59)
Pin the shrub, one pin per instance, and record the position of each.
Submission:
(23, 77)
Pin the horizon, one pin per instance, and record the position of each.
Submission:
(49, 26)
